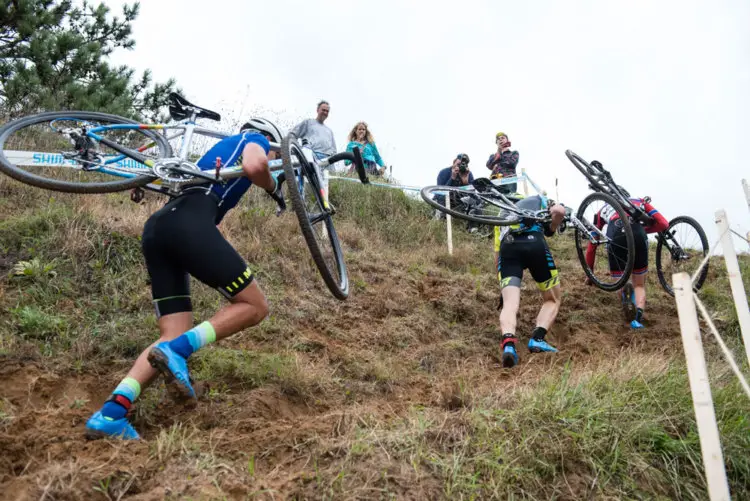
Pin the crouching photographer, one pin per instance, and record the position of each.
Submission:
(457, 174)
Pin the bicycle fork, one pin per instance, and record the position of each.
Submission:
(593, 233)
(322, 176)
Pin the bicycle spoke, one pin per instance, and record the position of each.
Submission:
(612, 245)
(319, 219)
(47, 152)
(62, 151)
(682, 249)
(484, 207)
(314, 216)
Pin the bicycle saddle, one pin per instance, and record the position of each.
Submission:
(181, 109)
(482, 184)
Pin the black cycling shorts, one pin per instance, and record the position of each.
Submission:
(617, 252)
(181, 239)
(527, 250)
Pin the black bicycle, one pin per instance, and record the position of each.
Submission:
(90, 152)
(483, 202)
(681, 247)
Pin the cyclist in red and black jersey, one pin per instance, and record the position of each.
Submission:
(633, 295)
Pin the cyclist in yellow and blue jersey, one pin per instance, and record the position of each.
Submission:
(523, 246)
(182, 240)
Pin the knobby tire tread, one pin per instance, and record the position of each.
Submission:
(339, 291)
(660, 248)
(609, 199)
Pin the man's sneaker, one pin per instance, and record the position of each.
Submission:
(173, 366)
(635, 324)
(628, 302)
(99, 426)
(510, 357)
(539, 345)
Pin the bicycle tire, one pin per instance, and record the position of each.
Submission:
(660, 246)
(339, 287)
(359, 166)
(26, 177)
(427, 191)
(586, 169)
(611, 201)
(595, 175)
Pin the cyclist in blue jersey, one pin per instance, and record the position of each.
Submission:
(518, 247)
(182, 240)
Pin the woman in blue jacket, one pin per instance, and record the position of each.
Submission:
(360, 136)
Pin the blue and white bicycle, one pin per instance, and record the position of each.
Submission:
(90, 152)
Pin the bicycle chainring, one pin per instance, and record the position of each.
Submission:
(165, 169)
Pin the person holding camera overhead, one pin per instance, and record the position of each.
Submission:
(503, 162)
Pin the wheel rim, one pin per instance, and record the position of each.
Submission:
(468, 205)
(37, 151)
(615, 247)
(321, 237)
(682, 250)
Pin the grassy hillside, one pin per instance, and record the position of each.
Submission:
(396, 393)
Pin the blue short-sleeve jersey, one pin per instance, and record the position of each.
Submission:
(229, 151)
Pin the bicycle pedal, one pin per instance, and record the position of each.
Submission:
(137, 194)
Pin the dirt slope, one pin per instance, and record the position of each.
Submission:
(394, 393)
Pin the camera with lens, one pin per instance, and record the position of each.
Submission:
(463, 165)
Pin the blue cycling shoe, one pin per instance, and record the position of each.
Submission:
(635, 324)
(510, 357)
(539, 345)
(173, 366)
(99, 426)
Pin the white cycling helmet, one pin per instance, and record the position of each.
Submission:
(263, 126)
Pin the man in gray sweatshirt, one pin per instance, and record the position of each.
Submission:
(319, 135)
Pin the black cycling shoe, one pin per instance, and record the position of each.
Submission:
(278, 196)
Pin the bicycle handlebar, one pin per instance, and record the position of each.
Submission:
(355, 156)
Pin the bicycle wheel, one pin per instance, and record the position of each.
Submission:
(684, 244)
(595, 175)
(613, 256)
(33, 150)
(469, 206)
(306, 194)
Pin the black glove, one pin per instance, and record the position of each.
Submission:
(278, 196)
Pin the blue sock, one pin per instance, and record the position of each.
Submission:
(194, 339)
(123, 396)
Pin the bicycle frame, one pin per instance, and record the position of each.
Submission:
(499, 200)
(187, 129)
(602, 181)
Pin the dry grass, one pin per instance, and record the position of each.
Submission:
(394, 393)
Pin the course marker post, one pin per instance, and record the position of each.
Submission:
(448, 225)
(703, 405)
(525, 183)
(735, 278)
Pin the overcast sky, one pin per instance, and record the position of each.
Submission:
(659, 92)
